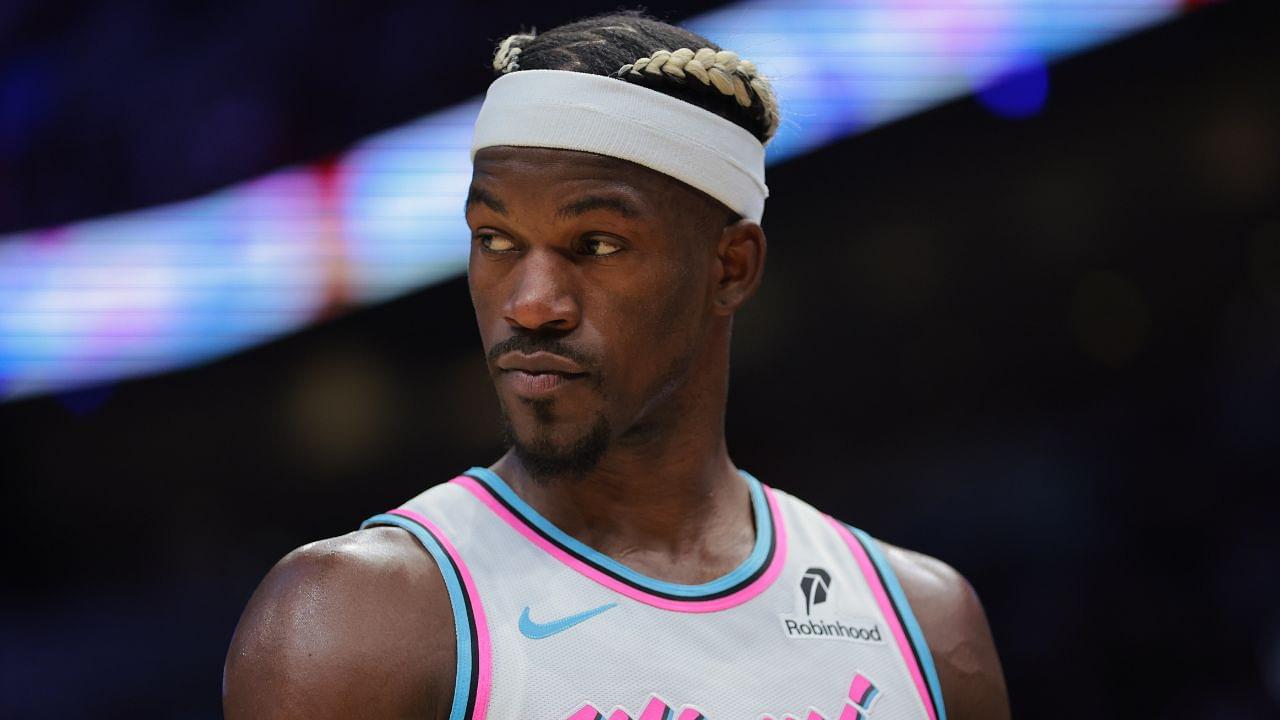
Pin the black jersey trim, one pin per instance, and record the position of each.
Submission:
(906, 620)
(457, 593)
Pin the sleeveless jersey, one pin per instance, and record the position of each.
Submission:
(812, 625)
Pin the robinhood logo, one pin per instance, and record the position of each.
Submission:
(814, 585)
(855, 629)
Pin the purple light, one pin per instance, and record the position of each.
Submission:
(164, 287)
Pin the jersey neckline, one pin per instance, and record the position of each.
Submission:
(753, 574)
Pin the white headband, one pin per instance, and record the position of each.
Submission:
(608, 116)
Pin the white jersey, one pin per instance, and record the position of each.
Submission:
(811, 626)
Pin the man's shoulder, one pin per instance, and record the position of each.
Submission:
(354, 624)
(372, 552)
(956, 630)
(376, 568)
(933, 586)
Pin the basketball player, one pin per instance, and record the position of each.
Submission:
(613, 563)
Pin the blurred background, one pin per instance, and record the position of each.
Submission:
(1022, 312)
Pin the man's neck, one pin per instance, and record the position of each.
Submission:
(682, 515)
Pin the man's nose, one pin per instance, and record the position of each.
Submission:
(545, 295)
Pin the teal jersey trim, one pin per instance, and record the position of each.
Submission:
(457, 600)
(908, 618)
(759, 553)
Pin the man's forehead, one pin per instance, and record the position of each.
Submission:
(554, 163)
(548, 167)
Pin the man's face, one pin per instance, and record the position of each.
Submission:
(591, 282)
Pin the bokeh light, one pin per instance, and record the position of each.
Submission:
(180, 284)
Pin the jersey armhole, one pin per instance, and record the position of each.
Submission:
(470, 686)
(908, 619)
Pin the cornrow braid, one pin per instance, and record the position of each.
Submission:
(722, 70)
(710, 78)
(508, 52)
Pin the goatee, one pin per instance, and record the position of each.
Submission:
(546, 461)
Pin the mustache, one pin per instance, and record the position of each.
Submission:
(529, 343)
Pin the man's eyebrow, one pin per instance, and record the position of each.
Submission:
(480, 195)
(597, 202)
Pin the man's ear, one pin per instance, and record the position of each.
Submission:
(739, 265)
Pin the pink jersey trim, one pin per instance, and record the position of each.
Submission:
(886, 609)
(687, 606)
(484, 674)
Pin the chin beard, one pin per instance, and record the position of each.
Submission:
(546, 460)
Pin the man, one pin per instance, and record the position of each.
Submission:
(613, 563)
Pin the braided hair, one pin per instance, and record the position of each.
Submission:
(638, 49)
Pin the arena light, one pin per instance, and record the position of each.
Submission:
(180, 284)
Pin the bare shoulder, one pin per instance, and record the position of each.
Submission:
(955, 627)
(354, 626)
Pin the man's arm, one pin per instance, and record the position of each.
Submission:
(956, 630)
(354, 626)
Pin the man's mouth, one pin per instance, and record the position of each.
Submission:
(540, 363)
(539, 374)
(537, 384)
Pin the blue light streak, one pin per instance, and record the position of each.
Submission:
(181, 284)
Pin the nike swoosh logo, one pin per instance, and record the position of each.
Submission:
(537, 631)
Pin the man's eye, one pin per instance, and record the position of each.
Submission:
(601, 247)
(495, 243)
